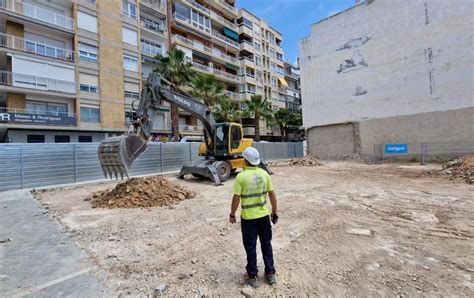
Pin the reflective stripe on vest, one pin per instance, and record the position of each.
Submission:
(253, 199)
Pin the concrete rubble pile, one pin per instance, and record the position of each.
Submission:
(141, 193)
(306, 161)
(462, 168)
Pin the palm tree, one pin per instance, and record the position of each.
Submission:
(206, 88)
(224, 110)
(257, 107)
(178, 71)
(283, 117)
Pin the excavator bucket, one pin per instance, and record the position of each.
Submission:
(116, 154)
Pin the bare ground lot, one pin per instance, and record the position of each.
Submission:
(422, 242)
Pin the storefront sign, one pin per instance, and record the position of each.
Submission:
(396, 148)
(37, 119)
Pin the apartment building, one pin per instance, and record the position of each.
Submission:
(69, 70)
(262, 67)
(207, 33)
(293, 98)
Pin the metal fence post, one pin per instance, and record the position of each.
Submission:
(294, 150)
(423, 153)
(263, 151)
(161, 157)
(22, 167)
(190, 153)
(75, 162)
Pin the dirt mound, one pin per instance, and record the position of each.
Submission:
(462, 168)
(306, 161)
(141, 193)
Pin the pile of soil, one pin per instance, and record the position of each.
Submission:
(141, 193)
(306, 161)
(462, 168)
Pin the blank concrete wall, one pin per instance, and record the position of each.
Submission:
(332, 141)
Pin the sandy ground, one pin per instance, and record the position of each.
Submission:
(421, 241)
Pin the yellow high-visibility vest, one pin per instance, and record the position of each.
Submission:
(252, 185)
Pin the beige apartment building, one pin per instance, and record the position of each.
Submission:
(70, 70)
(262, 67)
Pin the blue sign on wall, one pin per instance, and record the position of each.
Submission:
(396, 148)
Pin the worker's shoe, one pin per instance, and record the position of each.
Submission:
(251, 281)
(270, 278)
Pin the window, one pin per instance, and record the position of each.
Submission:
(46, 108)
(258, 61)
(274, 82)
(35, 138)
(235, 137)
(130, 63)
(256, 28)
(259, 76)
(91, 115)
(273, 67)
(130, 94)
(258, 46)
(86, 21)
(88, 53)
(88, 83)
(129, 36)
(272, 53)
(85, 139)
(62, 139)
(279, 56)
(246, 22)
(129, 9)
(280, 70)
(151, 48)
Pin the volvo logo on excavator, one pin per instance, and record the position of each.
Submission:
(182, 100)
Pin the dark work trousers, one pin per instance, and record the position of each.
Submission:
(261, 228)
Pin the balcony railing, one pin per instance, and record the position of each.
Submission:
(224, 56)
(196, 128)
(216, 72)
(38, 13)
(227, 6)
(154, 4)
(199, 46)
(224, 21)
(38, 83)
(153, 26)
(198, 6)
(248, 58)
(42, 113)
(232, 95)
(151, 49)
(227, 40)
(20, 44)
(195, 24)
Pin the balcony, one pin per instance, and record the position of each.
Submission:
(227, 58)
(38, 13)
(194, 24)
(232, 95)
(202, 48)
(150, 49)
(19, 80)
(155, 5)
(152, 26)
(20, 44)
(29, 117)
(223, 21)
(218, 73)
(247, 61)
(189, 128)
(225, 40)
(246, 46)
(198, 6)
(227, 6)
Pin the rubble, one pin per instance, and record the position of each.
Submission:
(461, 168)
(141, 193)
(307, 161)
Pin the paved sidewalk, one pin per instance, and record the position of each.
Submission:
(40, 260)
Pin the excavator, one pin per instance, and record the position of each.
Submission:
(222, 146)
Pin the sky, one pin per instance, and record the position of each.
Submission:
(293, 18)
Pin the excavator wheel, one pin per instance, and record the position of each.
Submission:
(223, 170)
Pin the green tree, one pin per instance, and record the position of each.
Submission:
(206, 88)
(224, 110)
(178, 71)
(283, 117)
(258, 107)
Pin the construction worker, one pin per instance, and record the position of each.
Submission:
(250, 190)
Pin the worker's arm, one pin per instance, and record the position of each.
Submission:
(233, 208)
(273, 201)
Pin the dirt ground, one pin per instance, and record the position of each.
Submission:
(345, 229)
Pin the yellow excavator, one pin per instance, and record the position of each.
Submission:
(222, 147)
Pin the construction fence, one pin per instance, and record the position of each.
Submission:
(422, 152)
(39, 165)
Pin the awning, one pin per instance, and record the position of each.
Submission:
(202, 55)
(232, 66)
(283, 82)
(231, 33)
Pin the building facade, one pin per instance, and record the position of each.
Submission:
(293, 99)
(70, 70)
(377, 74)
(262, 68)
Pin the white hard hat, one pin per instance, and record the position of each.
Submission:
(252, 156)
